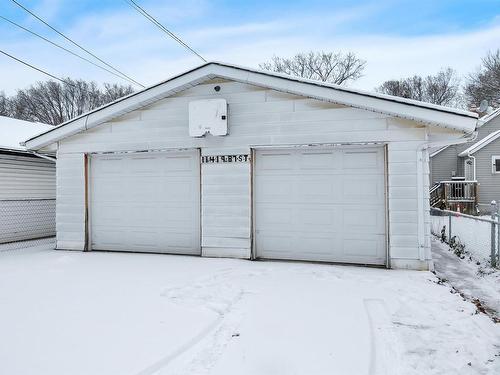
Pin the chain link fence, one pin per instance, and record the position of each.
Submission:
(27, 219)
(478, 236)
(23, 245)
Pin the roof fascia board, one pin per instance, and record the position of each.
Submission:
(438, 151)
(481, 144)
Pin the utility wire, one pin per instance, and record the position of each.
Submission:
(142, 11)
(75, 43)
(34, 67)
(61, 47)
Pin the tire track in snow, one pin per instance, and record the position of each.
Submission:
(384, 358)
(157, 366)
(215, 293)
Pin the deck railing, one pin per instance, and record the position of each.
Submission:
(460, 191)
(455, 195)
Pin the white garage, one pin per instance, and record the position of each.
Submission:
(147, 202)
(226, 161)
(325, 204)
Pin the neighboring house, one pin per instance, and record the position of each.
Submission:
(304, 170)
(471, 162)
(27, 184)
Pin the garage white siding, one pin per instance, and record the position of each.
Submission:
(226, 220)
(70, 203)
(262, 117)
(323, 204)
(147, 202)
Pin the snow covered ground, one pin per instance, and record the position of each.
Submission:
(474, 281)
(113, 313)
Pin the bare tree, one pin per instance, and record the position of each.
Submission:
(114, 91)
(442, 88)
(4, 105)
(53, 102)
(329, 67)
(485, 83)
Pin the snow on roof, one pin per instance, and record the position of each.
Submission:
(483, 120)
(452, 118)
(480, 144)
(14, 131)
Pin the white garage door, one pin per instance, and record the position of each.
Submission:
(321, 204)
(146, 202)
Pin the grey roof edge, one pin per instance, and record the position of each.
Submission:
(487, 118)
(438, 151)
(481, 144)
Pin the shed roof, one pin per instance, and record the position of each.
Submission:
(14, 131)
(452, 118)
(436, 150)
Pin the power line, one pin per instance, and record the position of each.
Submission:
(142, 11)
(34, 67)
(75, 43)
(62, 47)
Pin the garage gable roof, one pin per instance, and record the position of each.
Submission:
(426, 113)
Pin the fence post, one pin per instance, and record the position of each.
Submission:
(449, 227)
(497, 256)
(493, 234)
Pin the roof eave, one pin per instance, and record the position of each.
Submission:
(460, 121)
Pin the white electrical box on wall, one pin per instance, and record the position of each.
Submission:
(207, 116)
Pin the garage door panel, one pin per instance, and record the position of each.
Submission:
(319, 243)
(319, 217)
(150, 202)
(362, 160)
(275, 188)
(275, 162)
(366, 220)
(327, 205)
(179, 163)
(319, 160)
(178, 191)
(318, 189)
(146, 214)
(365, 248)
(275, 215)
(108, 167)
(141, 166)
(366, 189)
(275, 243)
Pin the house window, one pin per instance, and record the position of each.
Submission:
(495, 164)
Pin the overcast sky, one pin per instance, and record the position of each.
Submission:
(397, 38)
